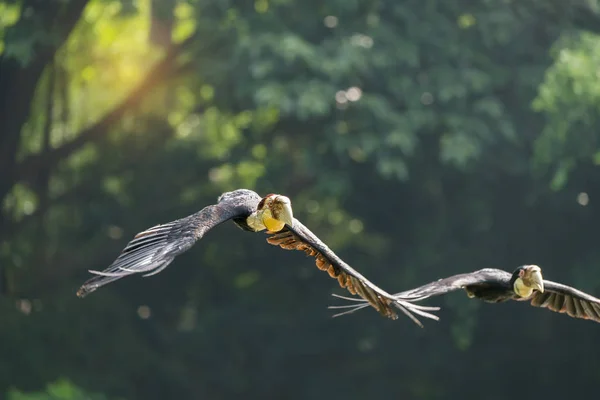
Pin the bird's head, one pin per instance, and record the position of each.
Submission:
(275, 211)
(526, 279)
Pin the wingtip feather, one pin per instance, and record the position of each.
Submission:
(84, 291)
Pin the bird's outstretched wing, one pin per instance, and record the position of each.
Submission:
(436, 288)
(565, 299)
(299, 237)
(154, 249)
(556, 297)
(458, 282)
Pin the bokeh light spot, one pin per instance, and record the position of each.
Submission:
(583, 199)
(355, 226)
(144, 312)
(330, 21)
(354, 94)
(427, 98)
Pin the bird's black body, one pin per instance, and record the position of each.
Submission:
(490, 292)
(242, 224)
(152, 250)
(245, 201)
(495, 286)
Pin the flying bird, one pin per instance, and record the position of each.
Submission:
(494, 286)
(152, 250)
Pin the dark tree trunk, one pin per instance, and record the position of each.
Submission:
(18, 82)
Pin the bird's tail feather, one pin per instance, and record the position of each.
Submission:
(404, 304)
(105, 277)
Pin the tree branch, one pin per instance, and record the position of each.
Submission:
(163, 70)
(43, 178)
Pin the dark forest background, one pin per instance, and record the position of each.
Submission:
(418, 138)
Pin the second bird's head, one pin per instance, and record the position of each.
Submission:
(526, 279)
(275, 212)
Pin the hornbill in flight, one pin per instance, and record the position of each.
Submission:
(152, 250)
(495, 286)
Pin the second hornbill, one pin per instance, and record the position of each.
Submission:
(152, 250)
(495, 286)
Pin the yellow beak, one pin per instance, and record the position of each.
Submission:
(286, 215)
(537, 282)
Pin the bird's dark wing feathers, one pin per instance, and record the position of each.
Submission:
(565, 299)
(436, 288)
(458, 282)
(299, 237)
(556, 297)
(154, 249)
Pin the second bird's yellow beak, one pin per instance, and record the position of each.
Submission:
(537, 282)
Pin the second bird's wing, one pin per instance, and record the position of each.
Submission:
(556, 297)
(152, 250)
(458, 282)
(436, 288)
(299, 237)
(565, 299)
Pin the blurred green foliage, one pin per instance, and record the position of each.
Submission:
(60, 390)
(419, 139)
